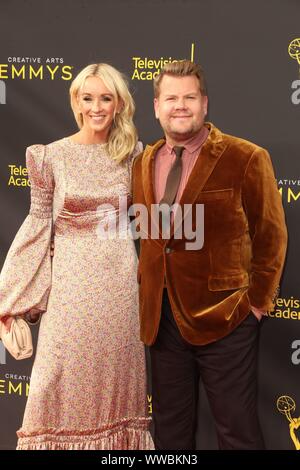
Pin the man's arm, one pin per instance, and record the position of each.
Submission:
(263, 207)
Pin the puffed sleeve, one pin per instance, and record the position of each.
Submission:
(25, 279)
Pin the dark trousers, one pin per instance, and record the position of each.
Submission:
(228, 369)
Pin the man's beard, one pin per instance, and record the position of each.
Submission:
(182, 135)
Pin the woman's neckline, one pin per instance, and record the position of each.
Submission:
(104, 144)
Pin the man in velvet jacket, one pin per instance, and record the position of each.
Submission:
(200, 309)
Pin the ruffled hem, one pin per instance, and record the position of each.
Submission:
(130, 435)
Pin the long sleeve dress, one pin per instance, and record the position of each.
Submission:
(88, 383)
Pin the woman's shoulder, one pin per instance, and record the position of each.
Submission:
(57, 144)
(42, 151)
(41, 159)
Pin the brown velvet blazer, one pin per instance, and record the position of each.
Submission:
(245, 238)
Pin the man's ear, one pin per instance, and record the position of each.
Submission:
(205, 104)
(156, 108)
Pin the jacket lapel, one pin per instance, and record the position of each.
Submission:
(209, 156)
(148, 178)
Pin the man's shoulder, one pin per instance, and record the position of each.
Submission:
(148, 150)
(137, 161)
(241, 145)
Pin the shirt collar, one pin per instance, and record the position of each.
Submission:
(194, 143)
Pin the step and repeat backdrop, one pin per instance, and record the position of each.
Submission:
(250, 51)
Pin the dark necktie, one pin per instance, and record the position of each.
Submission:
(173, 179)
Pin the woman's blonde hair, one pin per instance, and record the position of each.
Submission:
(123, 135)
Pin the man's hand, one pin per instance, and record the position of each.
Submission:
(33, 317)
(258, 312)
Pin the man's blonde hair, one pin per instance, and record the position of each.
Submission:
(180, 68)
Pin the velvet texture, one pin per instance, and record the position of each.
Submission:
(211, 289)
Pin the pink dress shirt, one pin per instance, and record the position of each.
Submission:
(164, 160)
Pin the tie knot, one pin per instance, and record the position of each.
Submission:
(178, 151)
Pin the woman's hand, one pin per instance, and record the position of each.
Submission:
(33, 317)
(7, 321)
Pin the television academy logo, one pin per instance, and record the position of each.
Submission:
(147, 68)
(29, 68)
(35, 68)
(286, 308)
(289, 189)
(286, 405)
(14, 384)
(294, 53)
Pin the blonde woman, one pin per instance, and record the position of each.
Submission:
(70, 263)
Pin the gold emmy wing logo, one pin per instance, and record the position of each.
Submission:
(286, 405)
(294, 49)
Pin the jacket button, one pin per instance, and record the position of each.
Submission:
(168, 250)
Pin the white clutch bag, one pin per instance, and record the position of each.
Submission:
(18, 340)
